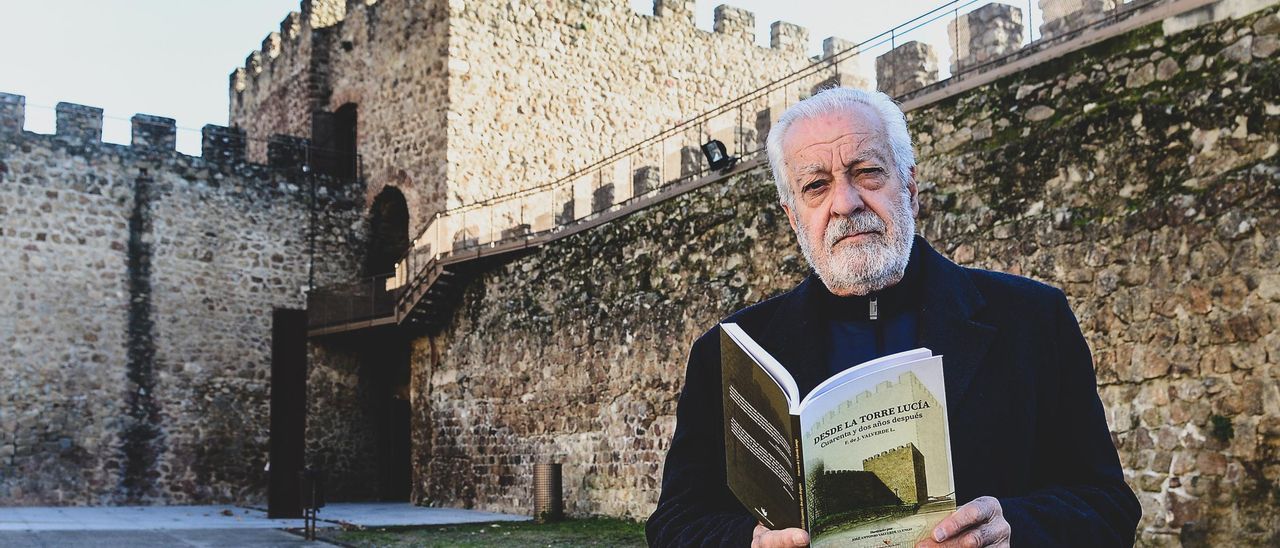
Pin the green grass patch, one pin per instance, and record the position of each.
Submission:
(579, 532)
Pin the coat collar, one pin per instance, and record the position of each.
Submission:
(949, 325)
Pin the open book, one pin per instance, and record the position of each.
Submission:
(863, 460)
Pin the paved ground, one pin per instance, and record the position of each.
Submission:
(205, 525)
(247, 538)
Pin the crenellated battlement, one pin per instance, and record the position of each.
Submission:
(277, 48)
(312, 16)
(907, 449)
(423, 76)
(13, 113)
(323, 15)
(78, 123)
(81, 125)
(788, 36)
(733, 21)
(417, 69)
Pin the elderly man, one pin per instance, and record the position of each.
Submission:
(1033, 460)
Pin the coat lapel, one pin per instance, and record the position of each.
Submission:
(795, 337)
(947, 327)
(948, 322)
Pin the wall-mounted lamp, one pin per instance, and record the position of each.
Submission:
(717, 156)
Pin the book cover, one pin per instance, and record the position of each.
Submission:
(863, 460)
(878, 458)
(761, 441)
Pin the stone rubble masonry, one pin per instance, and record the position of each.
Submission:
(154, 132)
(139, 289)
(13, 112)
(284, 151)
(425, 76)
(1154, 207)
(848, 70)
(280, 81)
(906, 68)
(676, 10)
(78, 123)
(1060, 16)
(989, 32)
(731, 21)
(222, 144)
(645, 73)
(788, 37)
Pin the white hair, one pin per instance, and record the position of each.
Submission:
(837, 100)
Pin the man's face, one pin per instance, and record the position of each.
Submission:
(853, 215)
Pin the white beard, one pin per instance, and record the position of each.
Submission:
(868, 266)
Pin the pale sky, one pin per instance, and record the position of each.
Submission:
(172, 58)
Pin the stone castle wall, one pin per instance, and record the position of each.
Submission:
(462, 101)
(274, 92)
(63, 382)
(137, 314)
(584, 80)
(1138, 174)
(395, 72)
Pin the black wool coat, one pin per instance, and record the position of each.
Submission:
(1027, 426)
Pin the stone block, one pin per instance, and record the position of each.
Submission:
(154, 132)
(678, 10)
(906, 68)
(239, 79)
(731, 21)
(323, 13)
(288, 152)
(690, 160)
(644, 180)
(271, 45)
(847, 71)
(788, 37)
(832, 46)
(291, 26)
(1063, 16)
(253, 63)
(78, 123)
(566, 213)
(764, 123)
(13, 112)
(222, 144)
(989, 32)
(602, 198)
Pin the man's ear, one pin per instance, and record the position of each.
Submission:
(791, 216)
(911, 188)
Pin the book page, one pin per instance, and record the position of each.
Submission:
(760, 443)
(863, 369)
(877, 454)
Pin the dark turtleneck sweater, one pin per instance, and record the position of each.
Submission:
(855, 334)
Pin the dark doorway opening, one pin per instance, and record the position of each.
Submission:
(386, 372)
(386, 364)
(388, 232)
(333, 136)
(288, 412)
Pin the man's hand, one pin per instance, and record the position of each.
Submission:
(979, 523)
(763, 537)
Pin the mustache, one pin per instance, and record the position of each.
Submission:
(863, 221)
